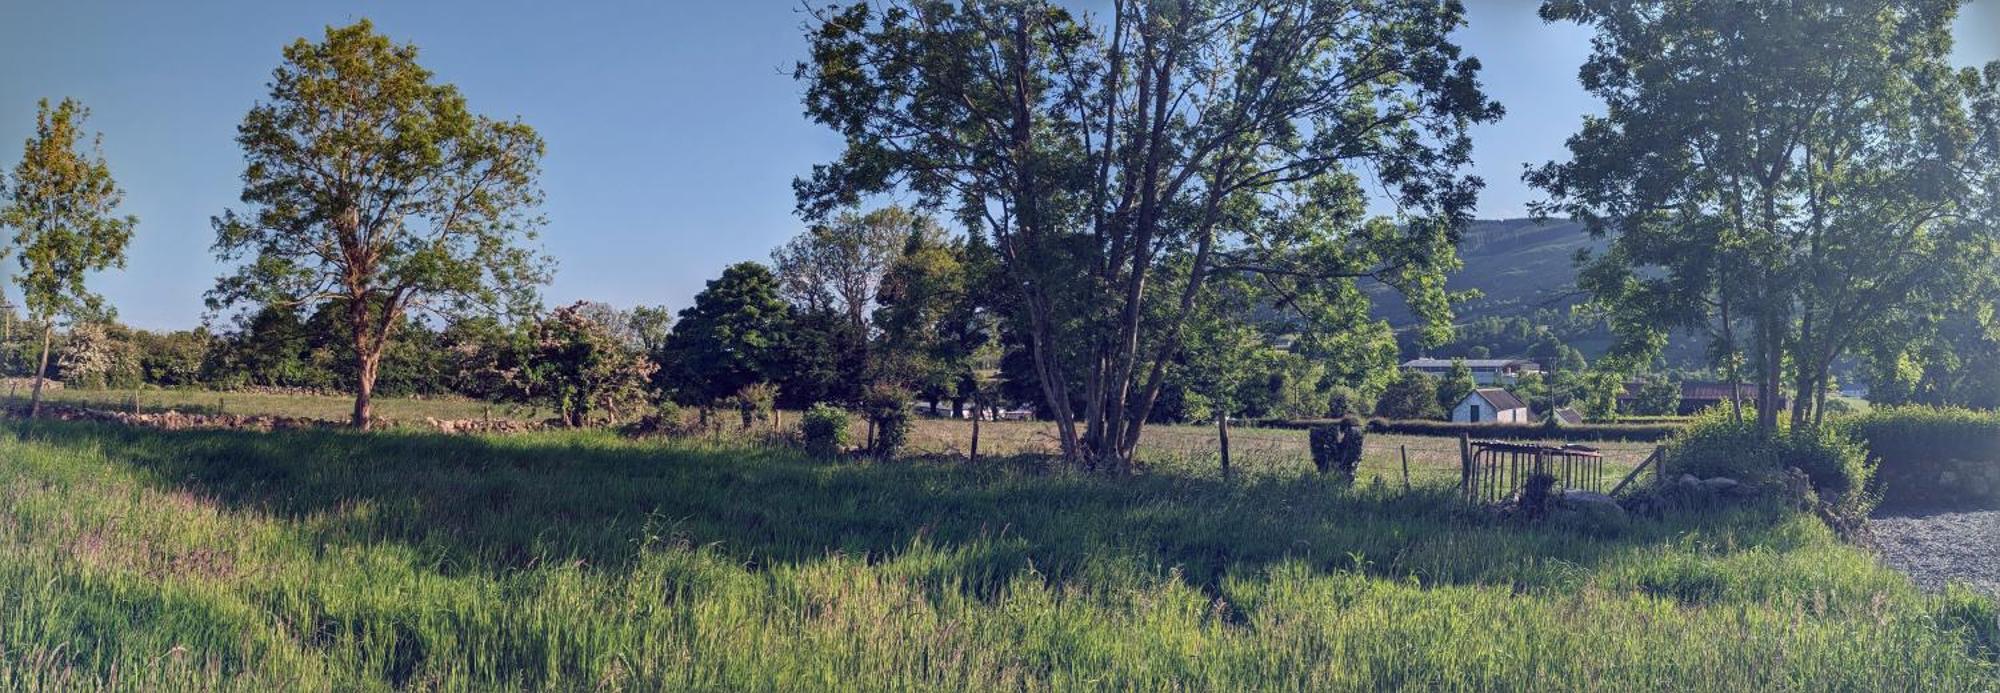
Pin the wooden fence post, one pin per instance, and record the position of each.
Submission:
(1405, 449)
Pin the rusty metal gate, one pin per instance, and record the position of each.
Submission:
(1494, 470)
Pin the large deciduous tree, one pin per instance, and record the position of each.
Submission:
(838, 265)
(1117, 165)
(732, 337)
(585, 368)
(371, 184)
(1806, 174)
(62, 207)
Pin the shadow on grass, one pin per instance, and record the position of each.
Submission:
(499, 504)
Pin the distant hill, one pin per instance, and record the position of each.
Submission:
(1520, 266)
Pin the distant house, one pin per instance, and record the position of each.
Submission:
(1484, 371)
(1697, 395)
(1566, 416)
(1491, 405)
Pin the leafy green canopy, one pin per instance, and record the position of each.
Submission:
(62, 208)
(733, 336)
(1811, 179)
(1119, 166)
(370, 182)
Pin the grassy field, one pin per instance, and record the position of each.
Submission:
(1253, 451)
(325, 407)
(338, 561)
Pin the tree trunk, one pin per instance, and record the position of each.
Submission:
(364, 389)
(1222, 435)
(1735, 369)
(975, 438)
(41, 371)
(1770, 358)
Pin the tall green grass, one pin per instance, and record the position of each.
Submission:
(330, 560)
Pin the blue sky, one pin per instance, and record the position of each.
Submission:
(674, 128)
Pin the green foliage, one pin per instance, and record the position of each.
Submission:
(1826, 185)
(1657, 397)
(1343, 402)
(1104, 258)
(888, 410)
(371, 183)
(838, 266)
(824, 428)
(755, 403)
(455, 563)
(1337, 448)
(1716, 444)
(1596, 393)
(1411, 396)
(1909, 443)
(927, 316)
(731, 337)
(580, 369)
(824, 359)
(1456, 385)
(62, 207)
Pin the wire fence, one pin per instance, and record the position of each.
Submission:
(1391, 457)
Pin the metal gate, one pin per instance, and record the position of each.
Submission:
(1494, 470)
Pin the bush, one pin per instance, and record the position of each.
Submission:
(825, 430)
(1715, 444)
(1412, 396)
(1343, 402)
(1538, 495)
(1336, 448)
(888, 409)
(755, 403)
(1930, 456)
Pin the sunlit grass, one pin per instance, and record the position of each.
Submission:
(330, 560)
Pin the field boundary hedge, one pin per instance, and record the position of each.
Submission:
(1629, 433)
(1931, 456)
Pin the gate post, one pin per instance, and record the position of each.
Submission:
(1465, 464)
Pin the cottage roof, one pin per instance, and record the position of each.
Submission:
(1501, 400)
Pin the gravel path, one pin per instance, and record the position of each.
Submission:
(1939, 548)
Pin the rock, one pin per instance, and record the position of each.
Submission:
(1590, 503)
(1721, 484)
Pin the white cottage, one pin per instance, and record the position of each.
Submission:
(1490, 405)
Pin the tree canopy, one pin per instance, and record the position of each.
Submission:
(1806, 175)
(371, 183)
(62, 206)
(1119, 165)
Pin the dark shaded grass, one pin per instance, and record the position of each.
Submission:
(498, 504)
(335, 560)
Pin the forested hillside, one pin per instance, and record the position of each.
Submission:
(1525, 272)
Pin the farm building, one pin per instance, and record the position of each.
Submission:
(1491, 405)
(1698, 395)
(1566, 416)
(1484, 371)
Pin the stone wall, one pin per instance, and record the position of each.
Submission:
(180, 421)
(1942, 483)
